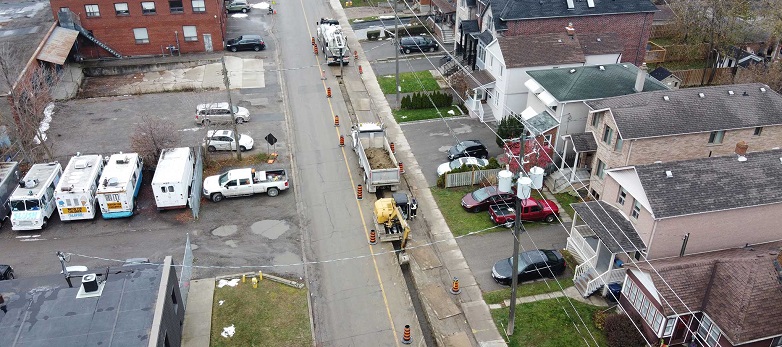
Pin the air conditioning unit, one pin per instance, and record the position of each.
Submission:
(90, 283)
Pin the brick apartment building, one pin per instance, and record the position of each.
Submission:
(143, 27)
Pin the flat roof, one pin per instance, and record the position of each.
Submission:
(43, 311)
(80, 174)
(120, 172)
(172, 164)
(40, 172)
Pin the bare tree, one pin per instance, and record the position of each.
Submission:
(769, 74)
(151, 136)
(29, 96)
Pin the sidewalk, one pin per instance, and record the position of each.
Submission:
(198, 313)
(570, 292)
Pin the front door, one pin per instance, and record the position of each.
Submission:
(208, 42)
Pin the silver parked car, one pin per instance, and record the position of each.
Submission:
(220, 113)
(224, 140)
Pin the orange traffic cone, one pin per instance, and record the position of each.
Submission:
(359, 192)
(341, 141)
(372, 237)
(455, 287)
(406, 339)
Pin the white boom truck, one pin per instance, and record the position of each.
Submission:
(375, 156)
(243, 182)
(332, 42)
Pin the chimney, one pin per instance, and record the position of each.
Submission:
(571, 31)
(640, 78)
(741, 148)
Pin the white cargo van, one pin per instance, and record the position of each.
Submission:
(119, 185)
(9, 177)
(32, 203)
(173, 178)
(75, 194)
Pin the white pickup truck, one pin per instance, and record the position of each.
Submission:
(242, 182)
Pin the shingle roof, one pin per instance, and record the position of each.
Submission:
(470, 26)
(649, 114)
(660, 73)
(445, 6)
(610, 226)
(509, 10)
(539, 50)
(485, 37)
(604, 43)
(756, 181)
(479, 78)
(584, 142)
(589, 82)
(737, 288)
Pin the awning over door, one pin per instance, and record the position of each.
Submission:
(59, 44)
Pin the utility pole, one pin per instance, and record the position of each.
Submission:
(396, 53)
(227, 83)
(341, 58)
(518, 228)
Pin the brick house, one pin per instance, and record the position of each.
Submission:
(143, 27)
(681, 124)
(725, 298)
(670, 209)
(630, 19)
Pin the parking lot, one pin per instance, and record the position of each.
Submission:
(248, 231)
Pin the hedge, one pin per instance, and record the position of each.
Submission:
(425, 100)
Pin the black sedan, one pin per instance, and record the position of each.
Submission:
(481, 199)
(246, 42)
(532, 265)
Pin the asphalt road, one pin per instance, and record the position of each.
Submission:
(358, 298)
(483, 250)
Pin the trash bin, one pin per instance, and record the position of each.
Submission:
(614, 291)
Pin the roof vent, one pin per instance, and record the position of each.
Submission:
(572, 70)
(602, 68)
(599, 39)
(669, 174)
(762, 90)
(591, 3)
(745, 94)
(666, 98)
(730, 92)
(570, 5)
(559, 40)
(28, 184)
(742, 158)
(701, 95)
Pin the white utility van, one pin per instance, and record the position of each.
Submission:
(119, 185)
(75, 194)
(173, 178)
(32, 203)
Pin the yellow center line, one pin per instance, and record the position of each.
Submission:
(358, 204)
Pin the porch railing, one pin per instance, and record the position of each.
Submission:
(606, 278)
(579, 242)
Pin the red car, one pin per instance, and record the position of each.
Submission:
(532, 210)
(481, 199)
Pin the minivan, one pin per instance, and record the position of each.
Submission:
(417, 44)
(220, 113)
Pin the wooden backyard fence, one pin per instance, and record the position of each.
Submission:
(470, 178)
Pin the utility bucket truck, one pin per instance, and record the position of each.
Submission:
(375, 156)
(333, 42)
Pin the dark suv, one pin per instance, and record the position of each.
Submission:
(246, 42)
(469, 148)
(417, 44)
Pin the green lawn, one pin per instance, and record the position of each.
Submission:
(409, 81)
(424, 113)
(271, 315)
(461, 222)
(546, 324)
(529, 289)
(565, 200)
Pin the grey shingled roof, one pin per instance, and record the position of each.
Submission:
(470, 26)
(610, 226)
(685, 112)
(508, 10)
(589, 82)
(737, 288)
(52, 315)
(602, 43)
(584, 142)
(485, 37)
(691, 190)
(540, 50)
(479, 78)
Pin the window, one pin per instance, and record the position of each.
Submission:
(715, 137)
(600, 171)
(174, 300)
(148, 7)
(619, 143)
(658, 321)
(636, 209)
(141, 35)
(501, 70)
(758, 131)
(481, 53)
(198, 6)
(121, 9)
(669, 324)
(64, 9)
(596, 117)
(92, 10)
(608, 135)
(175, 6)
(776, 342)
(163, 189)
(170, 189)
(190, 33)
(708, 331)
(645, 306)
(622, 196)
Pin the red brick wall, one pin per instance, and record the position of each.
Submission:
(633, 28)
(117, 31)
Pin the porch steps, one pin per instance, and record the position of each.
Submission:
(447, 36)
(582, 282)
(559, 181)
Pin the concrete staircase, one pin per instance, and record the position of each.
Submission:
(581, 282)
(448, 35)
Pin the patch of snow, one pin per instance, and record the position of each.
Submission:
(358, 21)
(231, 283)
(385, 17)
(47, 118)
(221, 302)
(261, 5)
(228, 331)
(239, 15)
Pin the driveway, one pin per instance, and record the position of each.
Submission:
(483, 250)
(430, 140)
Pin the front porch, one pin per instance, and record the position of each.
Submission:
(575, 171)
(443, 21)
(600, 240)
(479, 85)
